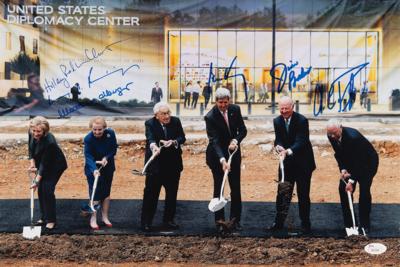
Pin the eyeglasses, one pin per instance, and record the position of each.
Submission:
(164, 113)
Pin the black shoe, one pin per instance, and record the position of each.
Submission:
(237, 226)
(146, 228)
(170, 225)
(39, 223)
(48, 229)
(306, 230)
(275, 227)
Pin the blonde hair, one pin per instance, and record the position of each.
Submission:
(98, 119)
(42, 122)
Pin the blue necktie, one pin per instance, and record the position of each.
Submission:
(287, 125)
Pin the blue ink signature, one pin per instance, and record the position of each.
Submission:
(72, 66)
(120, 91)
(349, 90)
(65, 111)
(293, 79)
(121, 70)
(90, 55)
(213, 78)
(54, 82)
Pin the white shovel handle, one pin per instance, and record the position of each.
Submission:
(32, 204)
(221, 195)
(350, 205)
(282, 169)
(151, 159)
(96, 179)
(351, 208)
(148, 163)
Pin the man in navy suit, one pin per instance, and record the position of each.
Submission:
(358, 162)
(225, 130)
(292, 141)
(165, 170)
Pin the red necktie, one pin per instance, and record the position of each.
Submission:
(226, 118)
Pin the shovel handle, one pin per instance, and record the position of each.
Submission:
(32, 205)
(282, 169)
(221, 195)
(350, 204)
(153, 156)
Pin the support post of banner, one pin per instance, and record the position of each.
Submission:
(297, 106)
(248, 108)
(369, 104)
(201, 109)
(273, 54)
(178, 109)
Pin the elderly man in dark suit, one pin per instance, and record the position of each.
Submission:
(163, 130)
(358, 162)
(292, 141)
(225, 130)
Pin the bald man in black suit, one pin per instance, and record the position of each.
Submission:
(358, 163)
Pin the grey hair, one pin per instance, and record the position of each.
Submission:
(222, 92)
(286, 98)
(160, 105)
(334, 123)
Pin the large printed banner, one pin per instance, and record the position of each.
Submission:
(69, 58)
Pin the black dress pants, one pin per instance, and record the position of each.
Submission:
(152, 192)
(47, 199)
(284, 197)
(364, 207)
(234, 184)
(187, 100)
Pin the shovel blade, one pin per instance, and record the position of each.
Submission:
(352, 231)
(31, 232)
(138, 172)
(216, 204)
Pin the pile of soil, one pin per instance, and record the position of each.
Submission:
(128, 249)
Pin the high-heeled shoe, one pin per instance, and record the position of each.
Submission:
(94, 228)
(109, 225)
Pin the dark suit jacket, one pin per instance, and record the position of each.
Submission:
(298, 140)
(156, 95)
(170, 158)
(220, 137)
(49, 158)
(98, 148)
(355, 154)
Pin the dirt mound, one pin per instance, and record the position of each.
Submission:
(120, 249)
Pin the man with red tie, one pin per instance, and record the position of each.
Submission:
(225, 130)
